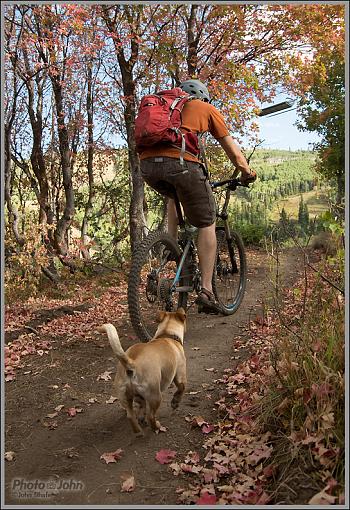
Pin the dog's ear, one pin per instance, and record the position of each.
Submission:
(181, 314)
(161, 315)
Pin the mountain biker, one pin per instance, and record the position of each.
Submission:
(162, 170)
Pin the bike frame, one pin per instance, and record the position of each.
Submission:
(189, 235)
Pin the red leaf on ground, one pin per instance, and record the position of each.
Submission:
(72, 411)
(165, 456)
(207, 428)
(112, 456)
(206, 499)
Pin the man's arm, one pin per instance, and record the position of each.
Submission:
(236, 156)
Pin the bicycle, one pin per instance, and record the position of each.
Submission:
(163, 268)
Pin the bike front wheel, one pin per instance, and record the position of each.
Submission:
(152, 272)
(230, 271)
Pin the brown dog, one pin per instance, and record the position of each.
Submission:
(147, 369)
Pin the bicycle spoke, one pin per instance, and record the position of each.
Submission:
(230, 272)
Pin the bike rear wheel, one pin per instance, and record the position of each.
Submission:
(153, 269)
(230, 271)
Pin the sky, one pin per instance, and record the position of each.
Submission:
(279, 131)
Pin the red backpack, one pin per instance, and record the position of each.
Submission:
(159, 121)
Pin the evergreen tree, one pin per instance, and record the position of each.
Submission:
(283, 217)
(303, 214)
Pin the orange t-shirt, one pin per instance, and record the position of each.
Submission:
(199, 117)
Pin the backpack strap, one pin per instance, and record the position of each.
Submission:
(202, 153)
(181, 100)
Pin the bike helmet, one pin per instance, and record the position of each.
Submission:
(195, 88)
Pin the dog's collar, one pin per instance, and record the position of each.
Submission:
(172, 336)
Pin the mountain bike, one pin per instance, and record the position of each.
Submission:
(165, 273)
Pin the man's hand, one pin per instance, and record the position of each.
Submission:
(248, 176)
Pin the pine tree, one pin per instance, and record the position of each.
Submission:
(303, 214)
(283, 218)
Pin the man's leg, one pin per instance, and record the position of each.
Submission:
(172, 218)
(206, 245)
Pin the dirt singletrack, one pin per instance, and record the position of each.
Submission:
(68, 376)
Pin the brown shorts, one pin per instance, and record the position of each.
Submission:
(192, 187)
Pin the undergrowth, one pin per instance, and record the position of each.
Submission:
(303, 404)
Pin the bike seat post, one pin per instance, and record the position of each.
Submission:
(180, 217)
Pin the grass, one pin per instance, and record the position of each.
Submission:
(316, 202)
(304, 401)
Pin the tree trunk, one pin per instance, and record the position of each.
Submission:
(90, 155)
(12, 211)
(136, 214)
(137, 219)
(37, 157)
(65, 221)
(192, 43)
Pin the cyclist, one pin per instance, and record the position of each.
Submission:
(162, 170)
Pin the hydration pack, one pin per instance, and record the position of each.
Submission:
(159, 121)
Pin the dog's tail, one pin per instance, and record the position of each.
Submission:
(117, 348)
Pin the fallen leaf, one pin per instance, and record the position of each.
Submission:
(165, 456)
(58, 408)
(190, 468)
(206, 499)
(72, 411)
(192, 457)
(198, 420)
(210, 369)
(226, 488)
(206, 429)
(112, 456)
(10, 456)
(52, 415)
(105, 376)
(128, 484)
(176, 468)
(322, 498)
(110, 400)
(161, 429)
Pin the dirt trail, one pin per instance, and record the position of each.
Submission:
(72, 450)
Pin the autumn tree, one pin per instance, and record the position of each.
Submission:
(77, 73)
